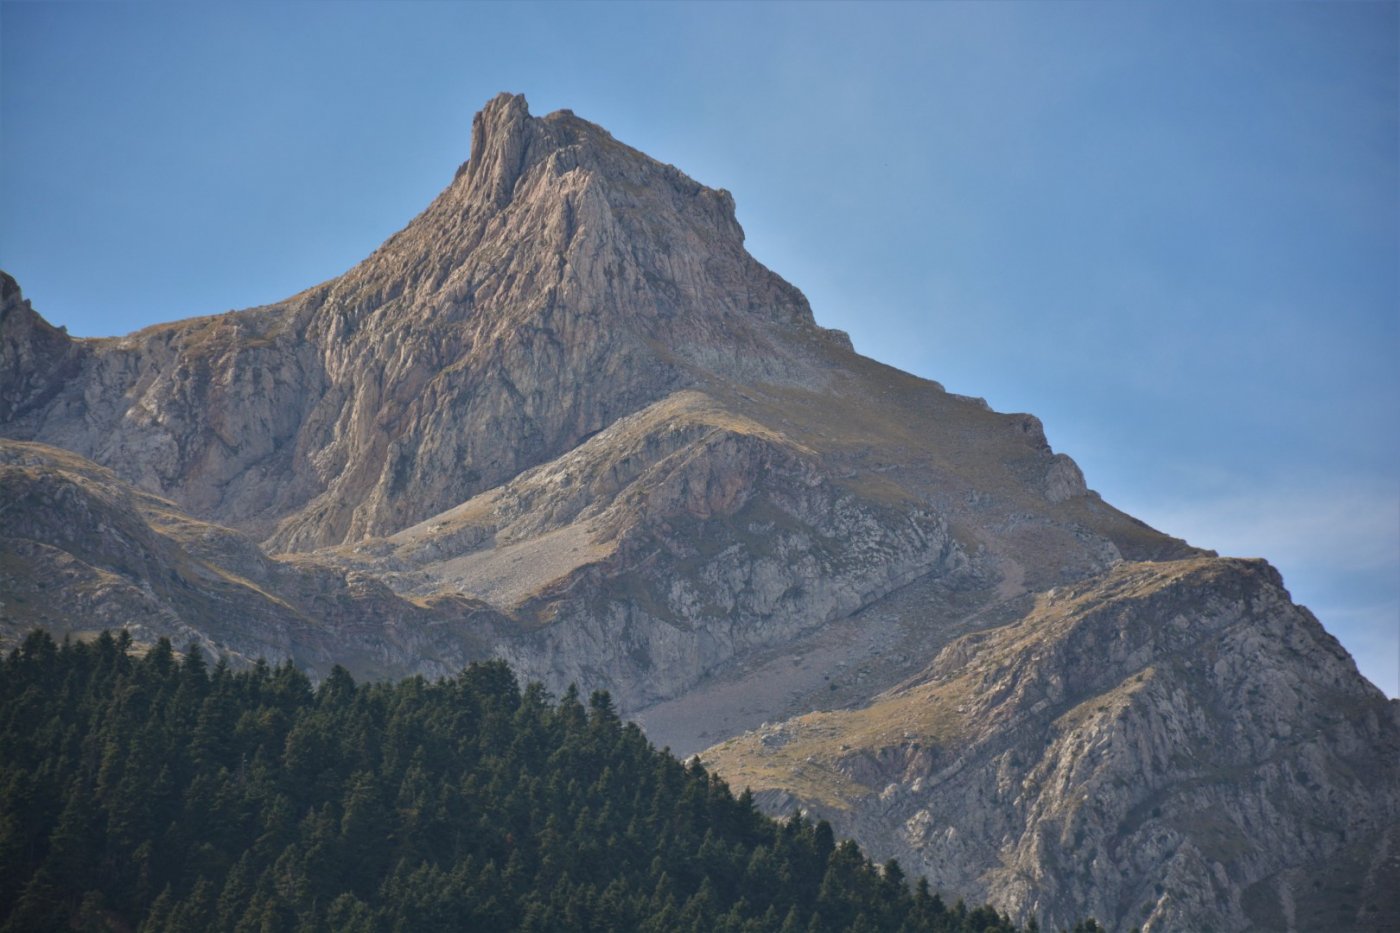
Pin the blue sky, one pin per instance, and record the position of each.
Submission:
(1171, 231)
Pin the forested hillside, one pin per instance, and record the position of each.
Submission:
(153, 793)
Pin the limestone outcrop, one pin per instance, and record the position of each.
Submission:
(1172, 746)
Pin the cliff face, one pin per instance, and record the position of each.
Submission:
(564, 418)
(36, 358)
(1174, 746)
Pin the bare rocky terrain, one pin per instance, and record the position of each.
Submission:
(1157, 745)
(564, 418)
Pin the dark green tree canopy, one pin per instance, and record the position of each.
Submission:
(158, 793)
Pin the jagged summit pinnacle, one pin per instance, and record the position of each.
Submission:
(507, 140)
(499, 141)
(599, 217)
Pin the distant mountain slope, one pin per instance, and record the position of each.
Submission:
(562, 281)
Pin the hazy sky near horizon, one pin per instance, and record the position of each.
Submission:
(1172, 231)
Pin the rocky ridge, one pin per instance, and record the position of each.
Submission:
(1143, 746)
(564, 418)
(443, 364)
(82, 551)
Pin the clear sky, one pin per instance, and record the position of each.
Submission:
(1171, 231)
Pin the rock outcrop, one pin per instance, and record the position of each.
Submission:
(36, 358)
(1174, 746)
(82, 551)
(563, 417)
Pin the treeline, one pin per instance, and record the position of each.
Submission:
(153, 793)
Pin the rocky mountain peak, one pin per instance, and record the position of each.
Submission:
(553, 211)
(508, 144)
(500, 138)
(561, 280)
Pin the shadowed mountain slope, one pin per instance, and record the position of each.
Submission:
(81, 551)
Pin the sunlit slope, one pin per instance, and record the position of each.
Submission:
(1175, 744)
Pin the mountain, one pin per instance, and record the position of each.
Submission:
(564, 419)
(568, 389)
(445, 363)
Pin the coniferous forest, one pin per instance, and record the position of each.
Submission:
(156, 793)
